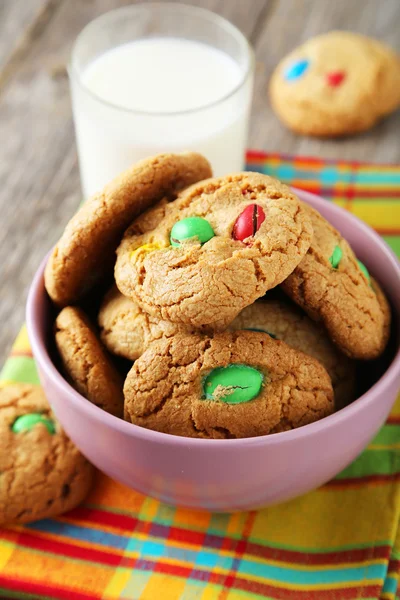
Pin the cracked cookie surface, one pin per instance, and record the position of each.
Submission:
(164, 390)
(86, 250)
(288, 323)
(42, 474)
(207, 284)
(87, 364)
(126, 330)
(336, 84)
(332, 288)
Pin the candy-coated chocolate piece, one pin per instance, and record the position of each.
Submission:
(335, 78)
(233, 384)
(336, 257)
(145, 249)
(27, 422)
(248, 222)
(262, 331)
(190, 228)
(364, 270)
(296, 69)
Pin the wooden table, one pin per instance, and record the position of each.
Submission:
(39, 174)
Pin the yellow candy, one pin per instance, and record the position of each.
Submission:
(145, 249)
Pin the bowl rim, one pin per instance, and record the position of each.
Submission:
(46, 364)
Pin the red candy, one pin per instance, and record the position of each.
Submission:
(335, 78)
(248, 223)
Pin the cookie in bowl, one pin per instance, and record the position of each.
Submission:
(86, 363)
(334, 288)
(85, 252)
(232, 385)
(221, 245)
(285, 321)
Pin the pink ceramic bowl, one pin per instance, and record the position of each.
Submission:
(226, 475)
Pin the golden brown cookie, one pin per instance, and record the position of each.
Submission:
(86, 362)
(336, 84)
(384, 306)
(86, 249)
(330, 285)
(126, 330)
(234, 385)
(286, 322)
(42, 473)
(221, 245)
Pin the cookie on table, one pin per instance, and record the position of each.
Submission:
(333, 287)
(233, 385)
(285, 321)
(85, 252)
(42, 473)
(336, 84)
(221, 245)
(87, 364)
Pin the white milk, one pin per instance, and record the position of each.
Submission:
(158, 95)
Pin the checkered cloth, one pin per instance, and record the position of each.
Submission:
(338, 542)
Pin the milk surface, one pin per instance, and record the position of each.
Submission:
(157, 95)
(162, 75)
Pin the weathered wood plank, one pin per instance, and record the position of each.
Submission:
(19, 22)
(292, 22)
(39, 176)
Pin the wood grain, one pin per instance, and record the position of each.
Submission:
(16, 18)
(39, 174)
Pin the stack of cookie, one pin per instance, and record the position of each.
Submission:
(241, 308)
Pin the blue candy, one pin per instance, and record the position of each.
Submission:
(296, 69)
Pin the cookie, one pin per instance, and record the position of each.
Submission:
(221, 245)
(284, 321)
(85, 252)
(42, 473)
(126, 330)
(384, 306)
(332, 286)
(233, 385)
(88, 366)
(336, 84)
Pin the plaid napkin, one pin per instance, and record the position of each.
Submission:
(338, 542)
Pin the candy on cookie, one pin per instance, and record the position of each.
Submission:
(221, 245)
(285, 321)
(336, 84)
(333, 287)
(85, 252)
(126, 330)
(42, 473)
(87, 364)
(232, 385)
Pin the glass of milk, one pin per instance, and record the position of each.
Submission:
(159, 77)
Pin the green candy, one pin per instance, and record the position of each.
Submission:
(336, 257)
(190, 228)
(262, 331)
(364, 270)
(27, 422)
(233, 384)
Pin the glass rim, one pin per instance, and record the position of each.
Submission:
(75, 73)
